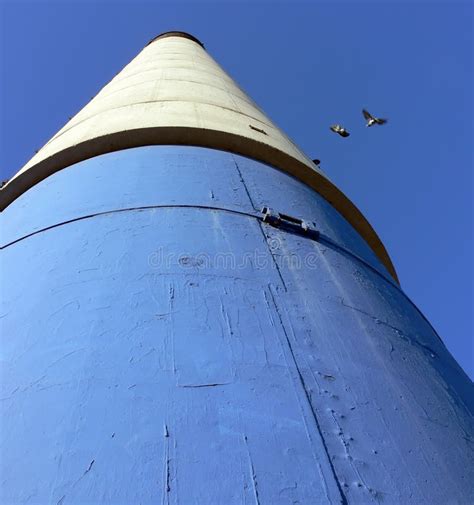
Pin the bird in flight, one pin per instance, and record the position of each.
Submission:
(371, 120)
(337, 128)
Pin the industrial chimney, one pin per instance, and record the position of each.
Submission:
(193, 313)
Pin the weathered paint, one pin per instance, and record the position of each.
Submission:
(161, 344)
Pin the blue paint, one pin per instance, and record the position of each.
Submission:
(182, 351)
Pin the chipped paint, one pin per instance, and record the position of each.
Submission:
(160, 344)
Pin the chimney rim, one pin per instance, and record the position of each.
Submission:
(176, 33)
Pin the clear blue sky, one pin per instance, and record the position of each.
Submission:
(307, 64)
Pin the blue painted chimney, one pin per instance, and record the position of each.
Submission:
(192, 313)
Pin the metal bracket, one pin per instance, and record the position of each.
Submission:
(289, 223)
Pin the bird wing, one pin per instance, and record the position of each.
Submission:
(367, 114)
(381, 120)
(344, 133)
(334, 127)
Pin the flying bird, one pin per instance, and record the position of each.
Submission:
(371, 120)
(337, 128)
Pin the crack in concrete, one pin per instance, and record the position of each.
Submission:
(308, 399)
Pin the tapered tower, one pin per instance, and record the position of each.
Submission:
(193, 313)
